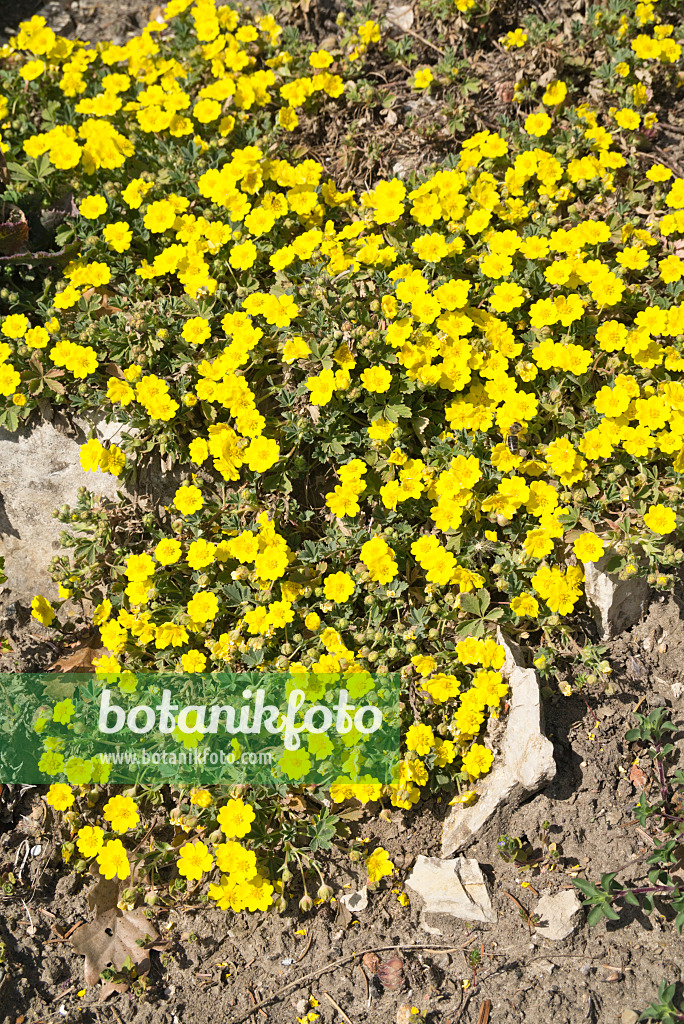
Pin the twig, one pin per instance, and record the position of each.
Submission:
(306, 978)
(485, 1010)
(308, 947)
(463, 1008)
(60, 995)
(254, 998)
(649, 839)
(337, 1006)
(421, 39)
(365, 980)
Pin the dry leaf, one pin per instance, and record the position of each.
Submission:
(343, 916)
(60, 691)
(13, 229)
(113, 935)
(80, 660)
(295, 803)
(637, 777)
(400, 16)
(105, 306)
(110, 987)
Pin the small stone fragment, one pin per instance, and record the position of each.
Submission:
(455, 887)
(616, 604)
(558, 915)
(629, 1017)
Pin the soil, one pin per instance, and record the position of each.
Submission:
(217, 965)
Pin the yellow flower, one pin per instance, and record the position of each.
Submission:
(378, 865)
(478, 760)
(660, 519)
(42, 610)
(537, 124)
(194, 860)
(422, 78)
(60, 796)
(92, 207)
(588, 547)
(122, 813)
(235, 818)
(113, 860)
(188, 499)
(90, 840)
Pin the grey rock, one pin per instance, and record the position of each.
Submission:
(616, 604)
(526, 764)
(558, 915)
(629, 1017)
(455, 887)
(541, 968)
(39, 470)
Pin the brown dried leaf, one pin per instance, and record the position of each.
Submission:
(105, 307)
(104, 896)
(13, 229)
(113, 935)
(60, 691)
(80, 660)
(110, 987)
(637, 777)
(343, 916)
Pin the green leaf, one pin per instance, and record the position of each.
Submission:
(470, 604)
(394, 412)
(595, 915)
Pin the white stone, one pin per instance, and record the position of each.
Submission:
(558, 915)
(355, 901)
(616, 604)
(455, 887)
(526, 763)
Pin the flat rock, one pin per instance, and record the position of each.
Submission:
(558, 915)
(615, 604)
(455, 887)
(39, 470)
(525, 765)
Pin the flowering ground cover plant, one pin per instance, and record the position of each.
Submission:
(389, 420)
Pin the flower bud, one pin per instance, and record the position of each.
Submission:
(325, 893)
(306, 904)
